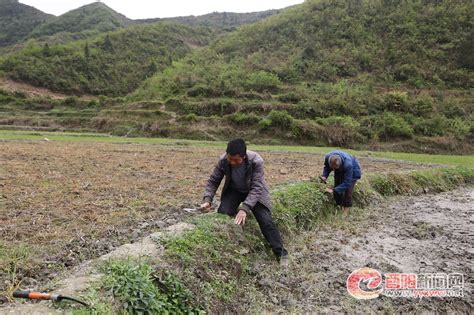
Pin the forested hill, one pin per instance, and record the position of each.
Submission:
(416, 43)
(348, 71)
(18, 20)
(76, 53)
(111, 64)
(90, 19)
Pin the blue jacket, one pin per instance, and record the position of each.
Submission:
(349, 170)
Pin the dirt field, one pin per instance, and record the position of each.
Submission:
(63, 203)
(424, 234)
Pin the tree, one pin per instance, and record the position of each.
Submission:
(86, 51)
(152, 68)
(107, 44)
(46, 50)
(466, 56)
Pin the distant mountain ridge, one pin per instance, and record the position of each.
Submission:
(17, 20)
(92, 18)
(217, 19)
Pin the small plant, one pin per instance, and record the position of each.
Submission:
(11, 258)
(140, 289)
(290, 97)
(192, 117)
(214, 258)
(264, 124)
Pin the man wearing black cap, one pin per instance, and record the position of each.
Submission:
(244, 190)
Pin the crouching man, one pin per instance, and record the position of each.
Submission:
(245, 190)
(346, 172)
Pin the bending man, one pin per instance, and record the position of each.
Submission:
(346, 172)
(244, 190)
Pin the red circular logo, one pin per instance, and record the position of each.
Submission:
(364, 283)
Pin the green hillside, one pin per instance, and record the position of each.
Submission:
(363, 74)
(111, 64)
(417, 44)
(18, 20)
(340, 72)
(90, 19)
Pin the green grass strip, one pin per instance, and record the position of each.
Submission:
(12, 135)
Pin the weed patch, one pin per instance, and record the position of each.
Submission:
(135, 287)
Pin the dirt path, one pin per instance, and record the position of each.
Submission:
(32, 91)
(425, 234)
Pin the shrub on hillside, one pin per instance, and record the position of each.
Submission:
(264, 124)
(242, 119)
(408, 73)
(390, 125)
(422, 106)
(290, 97)
(280, 118)
(435, 126)
(310, 130)
(262, 81)
(340, 130)
(396, 101)
(453, 108)
(459, 128)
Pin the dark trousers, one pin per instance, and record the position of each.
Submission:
(344, 199)
(230, 202)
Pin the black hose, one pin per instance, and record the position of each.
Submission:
(62, 297)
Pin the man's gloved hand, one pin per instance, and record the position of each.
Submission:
(240, 217)
(323, 179)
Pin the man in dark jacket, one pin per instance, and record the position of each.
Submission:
(244, 190)
(346, 172)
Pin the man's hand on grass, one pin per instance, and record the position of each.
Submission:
(240, 217)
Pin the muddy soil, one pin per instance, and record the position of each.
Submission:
(70, 202)
(425, 234)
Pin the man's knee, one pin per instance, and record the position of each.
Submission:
(338, 198)
(262, 215)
